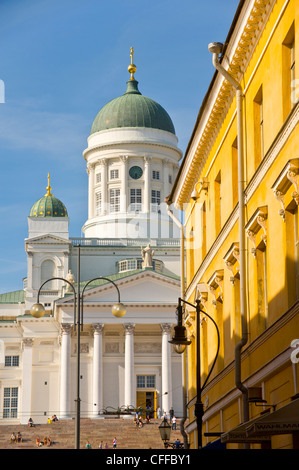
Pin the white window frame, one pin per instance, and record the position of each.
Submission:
(135, 199)
(12, 361)
(114, 174)
(155, 200)
(156, 175)
(114, 198)
(98, 203)
(10, 402)
(98, 178)
(147, 382)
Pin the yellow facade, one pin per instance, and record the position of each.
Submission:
(262, 54)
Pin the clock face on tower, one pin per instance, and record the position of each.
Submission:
(135, 172)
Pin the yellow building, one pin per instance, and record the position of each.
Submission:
(238, 186)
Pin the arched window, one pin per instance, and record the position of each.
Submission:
(47, 272)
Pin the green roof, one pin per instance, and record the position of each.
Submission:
(132, 109)
(12, 297)
(48, 206)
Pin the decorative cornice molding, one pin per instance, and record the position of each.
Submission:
(257, 222)
(215, 285)
(283, 183)
(258, 177)
(232, 262)
(239, 55)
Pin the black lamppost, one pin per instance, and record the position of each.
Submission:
(180, 342)
(165, 430)
(38, 310)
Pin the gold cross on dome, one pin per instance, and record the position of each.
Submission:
(48, 187)
(132, 67)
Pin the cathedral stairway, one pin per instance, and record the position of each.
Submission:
(62, 434)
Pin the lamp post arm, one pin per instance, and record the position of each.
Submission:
(105, 278)
(198, 310)
(218, 347)
(91, 280)
(60, 279)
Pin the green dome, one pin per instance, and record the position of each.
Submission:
(132, 109)
(48, 206)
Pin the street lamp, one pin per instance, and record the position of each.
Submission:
(38, 310)
(165, 430)
(180, 342)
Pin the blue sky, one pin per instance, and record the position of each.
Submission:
(60, 62)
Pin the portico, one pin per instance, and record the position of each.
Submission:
(132, 355)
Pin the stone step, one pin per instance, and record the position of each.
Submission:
(62, 434)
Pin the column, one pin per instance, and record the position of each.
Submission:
(166, 368)
(130, 392)
(147, 184)
(26, 380)
(65, 372)
(97, 369)
(29, 271)
(91, 194)
(124, 196)
(104, 187)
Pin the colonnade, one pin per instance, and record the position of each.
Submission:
(97, 369)
(168, 168)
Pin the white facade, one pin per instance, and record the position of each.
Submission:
(124, 361)
(111, 155)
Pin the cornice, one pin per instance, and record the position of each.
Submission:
(91, 151)
(279, 142)
(251, 24)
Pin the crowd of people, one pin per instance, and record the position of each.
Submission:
(101, 445)
(138, 422)
(46, 441)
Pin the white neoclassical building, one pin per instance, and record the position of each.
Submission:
(132, 159)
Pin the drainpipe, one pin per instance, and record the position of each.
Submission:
(216, 48)
(183, 290)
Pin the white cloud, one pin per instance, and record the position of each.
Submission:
(23, 127)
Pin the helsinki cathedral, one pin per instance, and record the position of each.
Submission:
(130, 248)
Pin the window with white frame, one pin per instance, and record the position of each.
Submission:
(10, 402)
(156, 175)
(156, 200)
(135, 199)
(114, 174)
(132, 264)
(146, 381)
(12, 361)
(114, 200)
(170, 179)
(98, 178)
(98, 203)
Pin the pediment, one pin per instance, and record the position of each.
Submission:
(47, 239)
(146, 287)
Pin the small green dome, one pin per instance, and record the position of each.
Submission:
(48, 206)
(132, 109)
